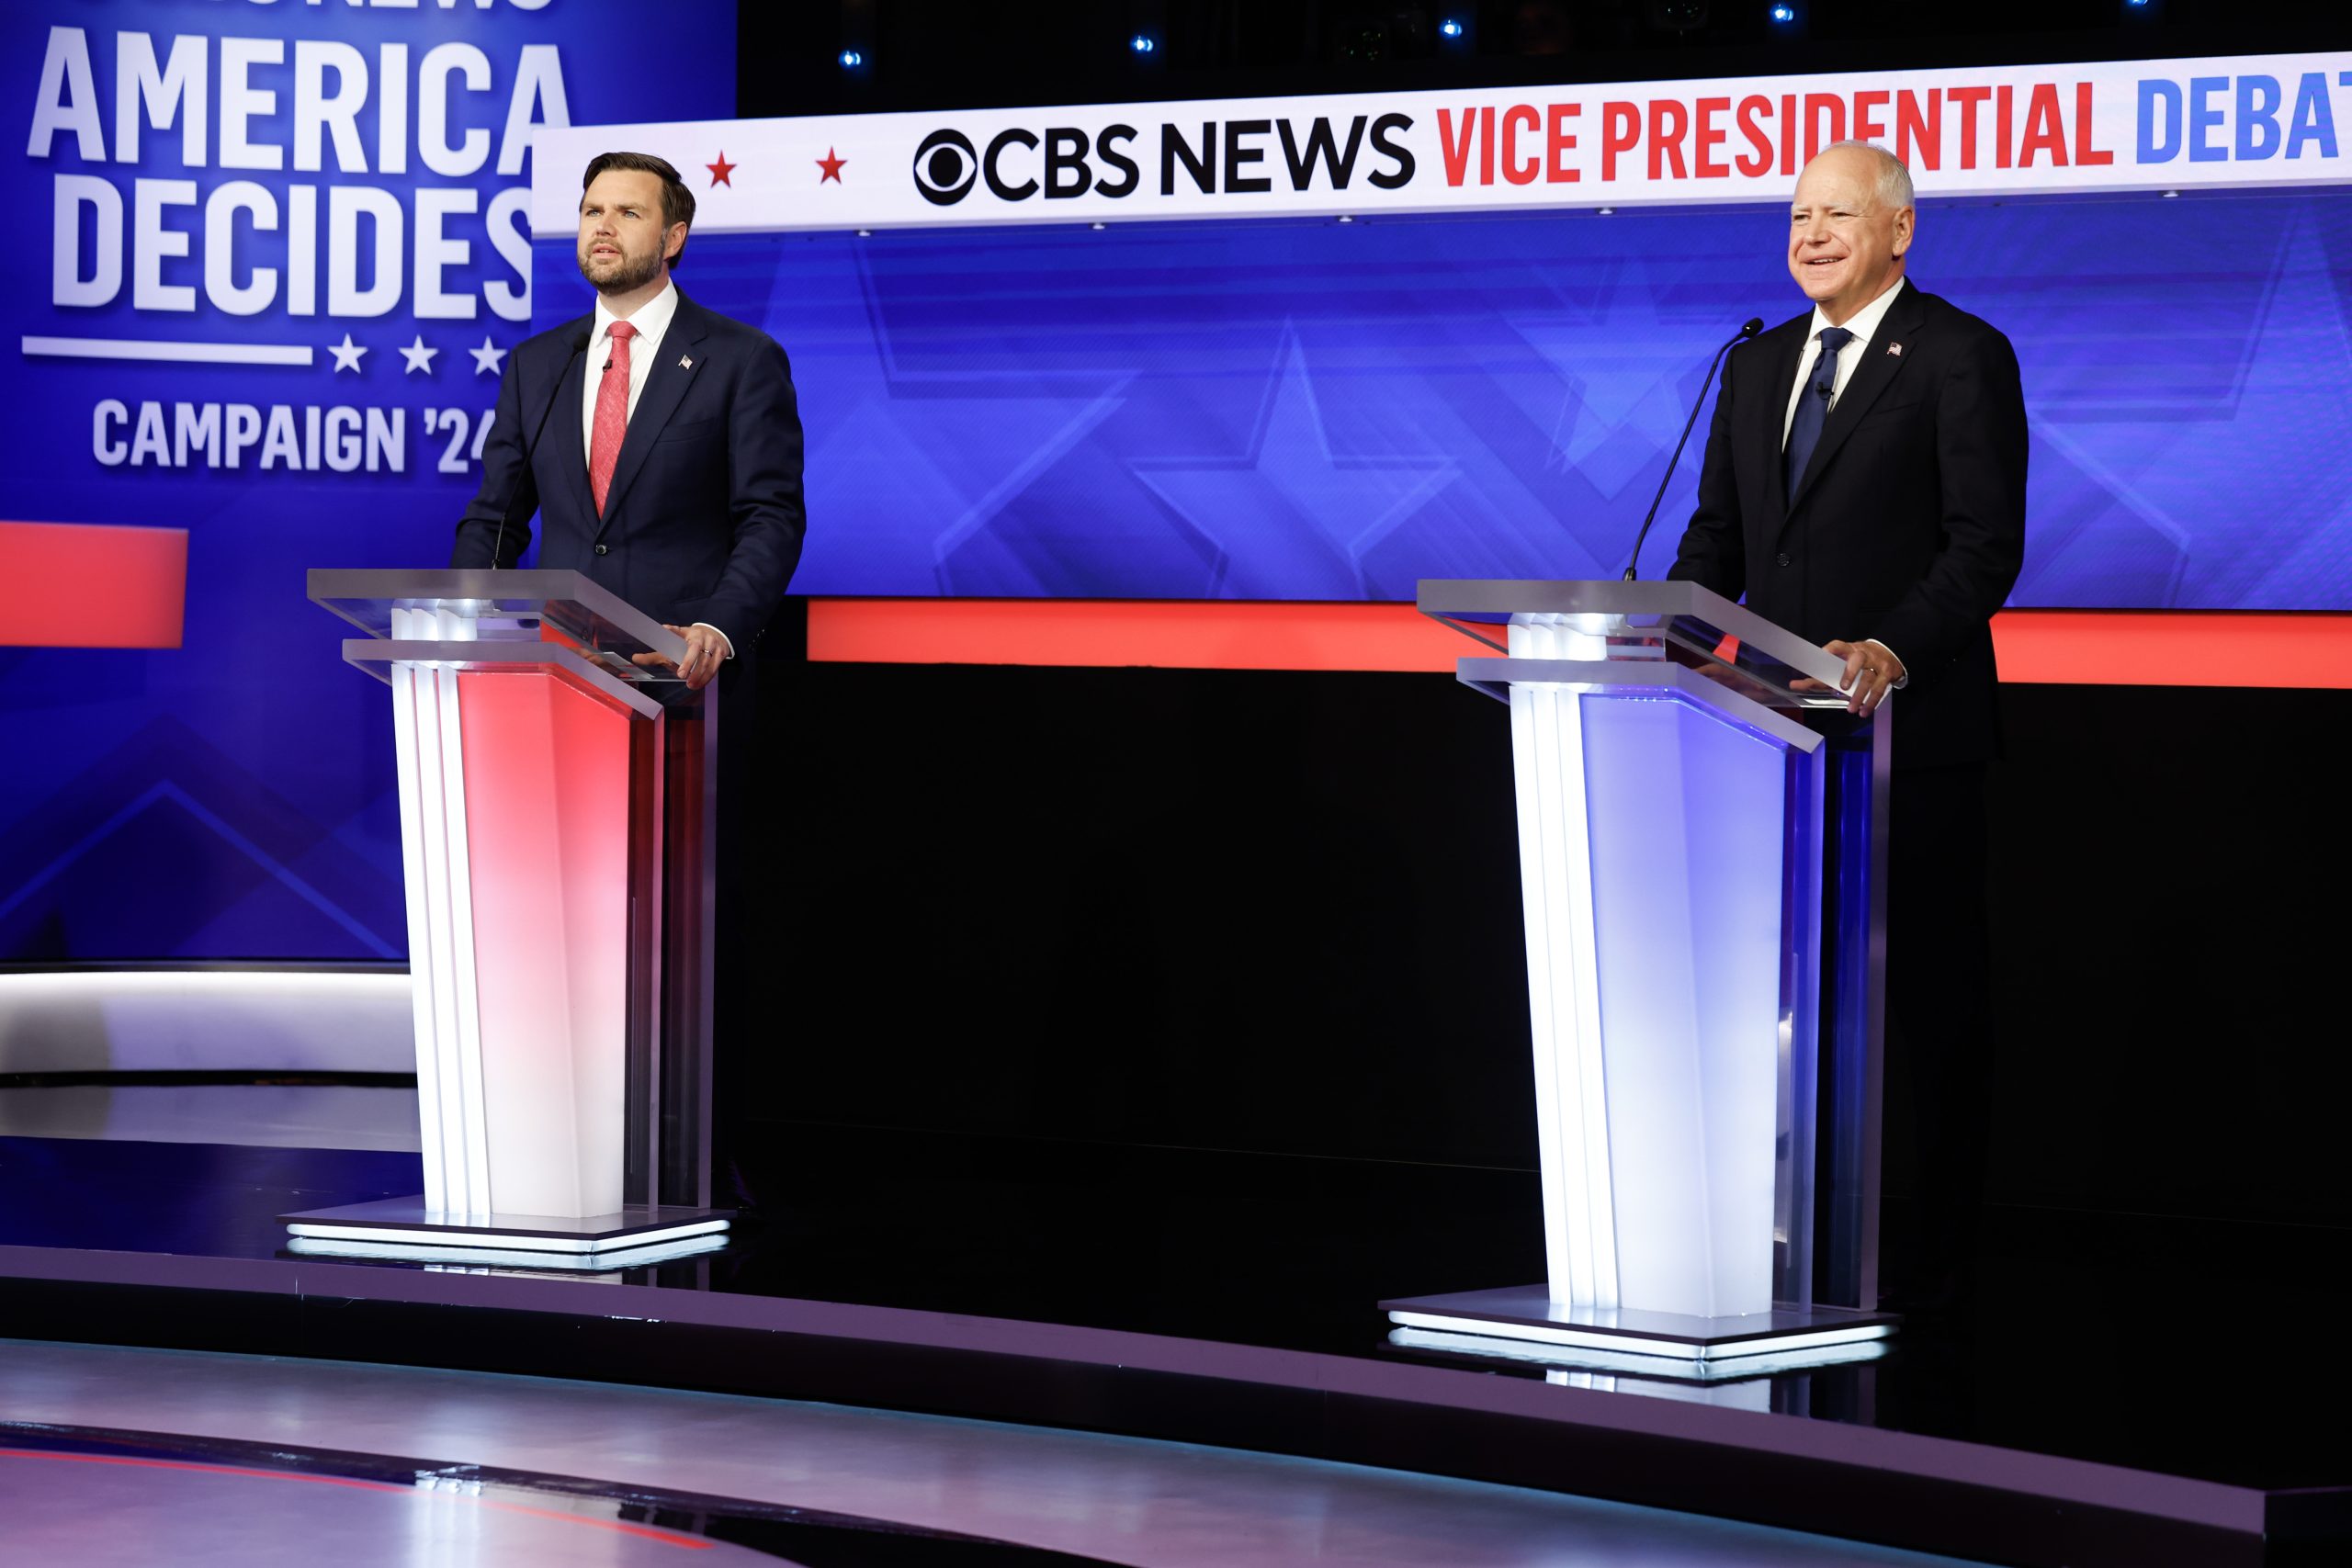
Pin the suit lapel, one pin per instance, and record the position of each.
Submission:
(563, 438)
(679, 362)
(1872, 376)
(1771, 418)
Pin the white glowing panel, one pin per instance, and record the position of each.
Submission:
(1593, 1340)
(1758, 1360)
(1571, 1109)
(289, 1021)
(405, 1243)
(465, 1046)
(424, 871)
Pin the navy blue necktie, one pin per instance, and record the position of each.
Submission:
(1813, 405)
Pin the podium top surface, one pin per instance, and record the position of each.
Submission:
(1635, 620)
(504, 606)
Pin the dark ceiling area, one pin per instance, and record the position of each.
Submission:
(850, 56)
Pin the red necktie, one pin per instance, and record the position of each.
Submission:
(612, 415)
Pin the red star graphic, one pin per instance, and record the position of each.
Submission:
(831, 164)
(719, 170)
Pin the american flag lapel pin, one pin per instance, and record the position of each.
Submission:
(1895, 349)
(684, 362)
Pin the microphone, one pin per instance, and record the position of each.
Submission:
(1755, 325)
(506, 515)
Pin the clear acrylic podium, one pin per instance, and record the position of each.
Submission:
(1701, 854)
(556, 841)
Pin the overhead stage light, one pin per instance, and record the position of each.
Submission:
(1784, 15)
(851, 60)
(1451, 27)
(1143, 43)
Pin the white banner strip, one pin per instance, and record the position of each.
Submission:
(165, 351)
(2120, 126)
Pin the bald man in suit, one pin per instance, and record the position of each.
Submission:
(1864, 486)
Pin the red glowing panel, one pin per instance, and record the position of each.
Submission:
(546, 783)
(91, 585)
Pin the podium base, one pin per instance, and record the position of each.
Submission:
(406, 1228)
(1524, 1323)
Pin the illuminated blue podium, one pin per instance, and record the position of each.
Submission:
(1701, 853)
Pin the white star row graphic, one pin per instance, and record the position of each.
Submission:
(489, 359)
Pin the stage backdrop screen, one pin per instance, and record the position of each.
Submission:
(286, 260)
(1310, 409)
(277, 254)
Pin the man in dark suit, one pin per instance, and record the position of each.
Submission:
(660, 444)
(668, 467)
(1864, 486)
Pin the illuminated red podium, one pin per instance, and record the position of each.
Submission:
(556, 840)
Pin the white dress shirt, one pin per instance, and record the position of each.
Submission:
(1865, 324)
(652, 324)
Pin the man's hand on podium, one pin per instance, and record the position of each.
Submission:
(1871, 672)
(705, 650)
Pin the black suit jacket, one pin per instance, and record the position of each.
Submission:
(1908, 526)
(704, 518)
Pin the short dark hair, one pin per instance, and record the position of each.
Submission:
(677, 202)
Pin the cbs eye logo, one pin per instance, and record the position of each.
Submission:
(946, 166)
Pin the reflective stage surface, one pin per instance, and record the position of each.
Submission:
(77, 1498)
(530, 1472)
(1231, 1298)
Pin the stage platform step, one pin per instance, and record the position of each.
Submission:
(2038, 1437)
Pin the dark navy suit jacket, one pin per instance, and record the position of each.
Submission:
(1908, 526)
(704, 518)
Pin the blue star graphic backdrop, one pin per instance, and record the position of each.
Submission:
(1245, 410)
(1322, 411)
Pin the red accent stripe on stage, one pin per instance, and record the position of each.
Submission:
(2097, 647)
(92, 585)
(2174, 648)
(1181, 633)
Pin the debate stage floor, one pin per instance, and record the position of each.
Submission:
(514, 1473)
(2128, 1392)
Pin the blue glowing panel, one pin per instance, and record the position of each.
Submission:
(1685, 821)
(1327, 410)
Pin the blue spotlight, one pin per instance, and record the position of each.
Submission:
(851, 60)
(1451, 27)
(1784, 15)
(1143, 43)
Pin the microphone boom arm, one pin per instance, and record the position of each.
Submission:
(1755, 325)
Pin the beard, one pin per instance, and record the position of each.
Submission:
(622, 273)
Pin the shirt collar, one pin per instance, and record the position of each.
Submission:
(1862, 324)
(651, 320)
